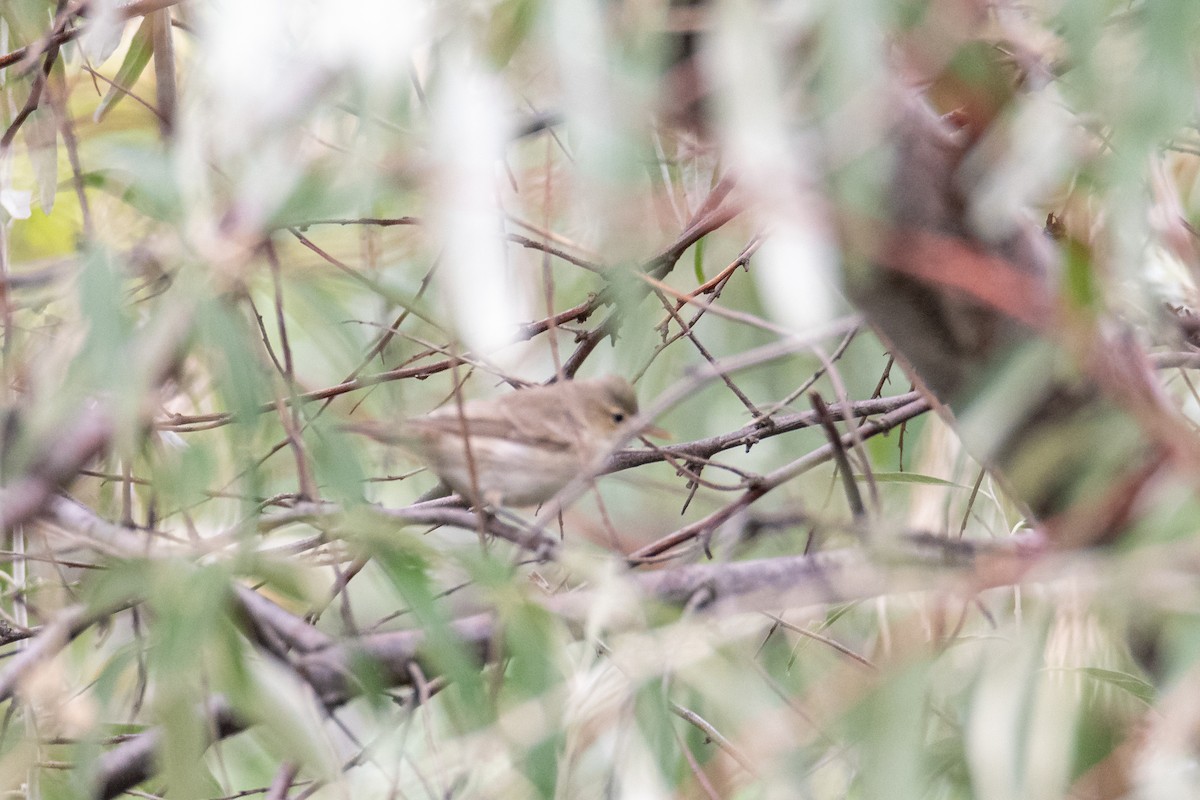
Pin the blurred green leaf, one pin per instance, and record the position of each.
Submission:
(510, 22)
(1082, 289)
(541, 765)
(656, 733)
(25, 18)
(102, 362)
(192, 641)
(290, 715)
(888, 728)
(41, 137)
(408, 571)
(239, 373)
(1099, 731)
(318, 193)
(183, 471)
(141, 175)
(141, 48)
(529, 637)
(1124, 681)
(336, 461)
(911, 477)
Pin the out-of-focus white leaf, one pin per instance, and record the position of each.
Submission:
(372, 37)
(41, 137)
(752, 124)
(797, 264)
(1021, 725)
(4, 48)
(14, 203)
(252, 66)
(102, 34)
(469, 137)
(266, 72)
(796, 273)
(173, 440)
(602, 103)
(579, 38)
(290, 713)
(1032, 159)
(1168, 280)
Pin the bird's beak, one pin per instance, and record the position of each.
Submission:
(655, 432)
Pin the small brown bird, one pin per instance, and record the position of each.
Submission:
(525, 445)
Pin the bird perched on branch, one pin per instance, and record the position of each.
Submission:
(521, 448)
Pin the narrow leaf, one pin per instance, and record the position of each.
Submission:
(136, 59)
(1122, 680)
(164, 69)
(910, 477)
(41, 137)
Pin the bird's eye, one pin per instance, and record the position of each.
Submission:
(618, 417)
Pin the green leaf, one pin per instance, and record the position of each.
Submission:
(541, 764)
(141, 174)
(910, 477)
(1123, 680)
(101, 362)
(656, 724)
(287, 711)
(509, 24)
(1082, 289)
(183, 474)
(41, 137)
(240, 375)
(409, 572)
(191, 641)
(335, 460)
(136, 59)
(529, 635)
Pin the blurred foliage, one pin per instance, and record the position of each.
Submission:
(354, 206)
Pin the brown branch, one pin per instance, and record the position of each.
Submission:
(132, 762)
(853, 497)
(193, 422)
(838, 576)
(437, 512)
(51, 638)
(776, 479)
(66, 128)
(69, 449)
(655, 267)
(711, 216)
(165, 90)
(181, 422)
(21, 53)
(379, 222)
(80, 442)
(61, 35)
(750, 434)
(39, 83)
(127, 91)
(1171, 360)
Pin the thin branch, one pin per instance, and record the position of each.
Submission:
(857, 508)
(751, 434)
(776, 479)
(797, 580)
(714, 736)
